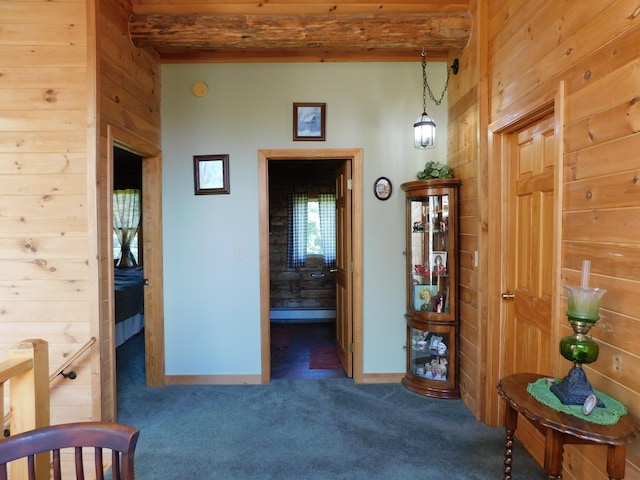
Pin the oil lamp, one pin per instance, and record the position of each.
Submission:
(580, 348)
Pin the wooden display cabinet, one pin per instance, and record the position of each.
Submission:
(432, 287)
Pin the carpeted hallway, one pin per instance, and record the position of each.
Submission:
(305, 429)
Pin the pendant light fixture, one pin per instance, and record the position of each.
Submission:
(424, 129)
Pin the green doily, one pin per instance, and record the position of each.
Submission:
(609, 415)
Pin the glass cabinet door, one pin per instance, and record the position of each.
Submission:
(429, 357)
(429, 254)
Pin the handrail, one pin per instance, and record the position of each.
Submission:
(11, 368)
(71, 359)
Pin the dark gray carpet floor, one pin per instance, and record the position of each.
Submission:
(306, 429)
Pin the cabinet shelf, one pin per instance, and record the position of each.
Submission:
(432, 303)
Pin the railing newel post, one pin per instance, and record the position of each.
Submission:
(29, 401)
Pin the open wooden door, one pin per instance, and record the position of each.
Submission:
(344, 269)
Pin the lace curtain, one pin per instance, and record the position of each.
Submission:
(126, 220)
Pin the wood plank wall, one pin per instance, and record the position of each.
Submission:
(531, 47)
(129, 100)
(47, 276)
(463, 157)
(50, 282)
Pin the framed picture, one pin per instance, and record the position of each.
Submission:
(435, 343)
(211, 174)
(423, 297)
(309, 121)
(382, 188)
(438, 262)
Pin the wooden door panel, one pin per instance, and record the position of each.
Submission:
(523, 262)
(533, 310)
(529, 252)
(344, 304)
(546, 246)
(530, 161)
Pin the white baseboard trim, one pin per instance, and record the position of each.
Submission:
(302, 315)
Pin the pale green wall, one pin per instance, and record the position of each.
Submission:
(211, 257)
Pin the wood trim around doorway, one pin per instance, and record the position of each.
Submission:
(353, 155)
(152, 250)
(498, 133)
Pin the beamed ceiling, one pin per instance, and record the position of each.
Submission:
(300, 30)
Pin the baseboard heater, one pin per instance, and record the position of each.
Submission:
(303, 315)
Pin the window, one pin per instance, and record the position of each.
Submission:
(311, 229)
(314, 239)
(126, 219)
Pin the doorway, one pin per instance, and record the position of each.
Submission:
(528, 142)
(529, 254)
(303, 270)
(530, 162)
(128, 264)
(525, 215)
(348, 313)
(151, 225)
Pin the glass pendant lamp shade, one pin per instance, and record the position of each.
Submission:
(424, 132)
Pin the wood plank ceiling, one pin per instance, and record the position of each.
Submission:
(300, 30)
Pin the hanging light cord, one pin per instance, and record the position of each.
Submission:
(425, 84)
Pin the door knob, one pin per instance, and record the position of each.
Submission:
(508, 295)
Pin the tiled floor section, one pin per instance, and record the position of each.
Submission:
(291, 349)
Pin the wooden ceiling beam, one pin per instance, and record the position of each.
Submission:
(185, 55)
(302, 32)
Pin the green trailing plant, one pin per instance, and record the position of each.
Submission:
(435, 170)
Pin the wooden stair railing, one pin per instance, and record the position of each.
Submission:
(60, 370)
(16, 365)
(27, 371)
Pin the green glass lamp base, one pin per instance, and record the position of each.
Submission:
(579, 349)
(574, 389)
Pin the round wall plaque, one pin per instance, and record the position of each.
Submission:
(199, 89)
(382, 188)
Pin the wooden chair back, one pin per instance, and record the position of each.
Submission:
(120, 439)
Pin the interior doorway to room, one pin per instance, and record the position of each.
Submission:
(340, 169)
(303, 269)
(149, 250)
(529, 257)
(128, 284)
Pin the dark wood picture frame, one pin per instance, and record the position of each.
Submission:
(211, 174)
(382, 188)
(309, 121)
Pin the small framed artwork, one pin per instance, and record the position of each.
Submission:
(423, 297)
(309, 121)
(211, 174)
(439, 262)
(435, 343)
(382, 188)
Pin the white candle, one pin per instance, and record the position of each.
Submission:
(586, 266)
